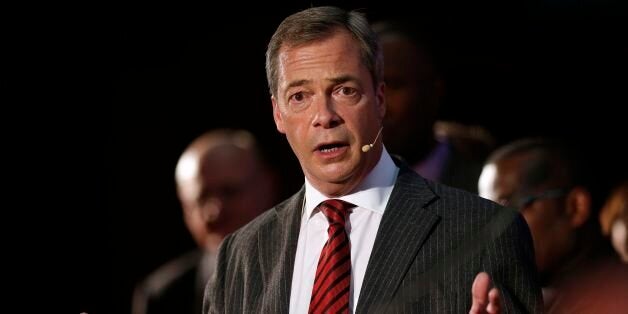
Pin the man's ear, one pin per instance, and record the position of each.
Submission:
(380, 97)
(578, 208)
(277, 116)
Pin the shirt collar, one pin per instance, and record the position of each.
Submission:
(372, 194)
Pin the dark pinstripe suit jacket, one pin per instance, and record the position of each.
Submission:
(431, 242)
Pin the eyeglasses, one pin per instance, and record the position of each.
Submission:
(523, 201)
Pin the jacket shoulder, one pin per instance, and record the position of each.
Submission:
(267, 221)
(455, 201)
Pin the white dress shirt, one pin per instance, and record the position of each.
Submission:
(371, 198)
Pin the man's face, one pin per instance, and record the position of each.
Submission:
(231, 188)
(328, 108)
(502, 182)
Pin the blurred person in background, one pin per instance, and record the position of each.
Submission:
(614, 220)
(444, 151)
(222, 183)
(550, 184)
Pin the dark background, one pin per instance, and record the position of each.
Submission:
(146, 80)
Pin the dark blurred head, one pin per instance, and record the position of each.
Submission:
(413, 88)
(222, 183)
(545, 181)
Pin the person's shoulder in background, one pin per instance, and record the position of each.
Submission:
(169, 285)
(467, 148)
(472, 142)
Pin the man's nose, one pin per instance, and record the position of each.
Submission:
(325, 114)
(211, 208)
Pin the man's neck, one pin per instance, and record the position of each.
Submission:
(372, 192)
(350, 184)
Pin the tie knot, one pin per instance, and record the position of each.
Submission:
(335, 210)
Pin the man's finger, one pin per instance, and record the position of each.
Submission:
(494, 300)
(480, 293)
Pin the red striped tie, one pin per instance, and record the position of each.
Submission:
(330, 293)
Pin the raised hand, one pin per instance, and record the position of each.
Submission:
(485, 298)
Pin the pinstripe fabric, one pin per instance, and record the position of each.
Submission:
(431, 243)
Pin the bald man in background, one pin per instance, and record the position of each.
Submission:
(552, 186)
(222, 183)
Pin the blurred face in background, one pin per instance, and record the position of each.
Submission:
(412, 94)
(230, 188)
(614, 220)
(619, 238)
(551, 229)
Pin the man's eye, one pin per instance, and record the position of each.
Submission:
(297, 98)
(299, 101)
(347, 91)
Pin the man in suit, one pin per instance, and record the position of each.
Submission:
(365, 233)
(222, 183)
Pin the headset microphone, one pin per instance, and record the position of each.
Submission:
(367, 147)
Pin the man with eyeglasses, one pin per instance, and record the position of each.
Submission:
(545, 180)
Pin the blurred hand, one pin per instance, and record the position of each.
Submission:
(485, 298)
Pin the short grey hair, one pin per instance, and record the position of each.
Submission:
(319, 23)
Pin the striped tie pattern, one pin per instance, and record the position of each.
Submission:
(330, 293)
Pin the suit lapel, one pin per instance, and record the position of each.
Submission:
(405, 225)
(278, 244)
